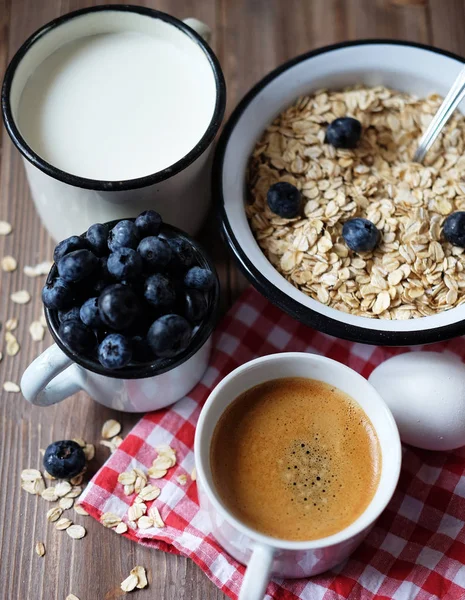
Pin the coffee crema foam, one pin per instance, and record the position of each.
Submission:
(296, 459)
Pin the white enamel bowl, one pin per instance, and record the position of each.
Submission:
(404, 66)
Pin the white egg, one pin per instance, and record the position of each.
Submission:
(426, 394)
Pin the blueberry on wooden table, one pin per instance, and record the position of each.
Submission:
(360, 235)
(344, 132)
(454, 229)
(64, 459)
(284, 199)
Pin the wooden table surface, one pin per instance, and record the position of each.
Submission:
(251, 37)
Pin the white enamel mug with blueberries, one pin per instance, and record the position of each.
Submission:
(60, 372)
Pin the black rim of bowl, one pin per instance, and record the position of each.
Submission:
(161, 365)
(295, 309)
(128, 184)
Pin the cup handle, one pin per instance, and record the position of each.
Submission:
(50, 378)
(257, 574)
(199, 27)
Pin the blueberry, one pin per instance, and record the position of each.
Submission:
(69, 245)
(64, 459)
(199, 279)
(141, 351)
(90, 314)
(124, 264)
(118, 306)
(159, 292)
(148, 223)
(77, 265)
(196, 306)
(123, 235)
(182, 253)
(96, 236)
(115, 351)
(77, 336)
(360, 235)
(344, 132)
(284, 200)
(69, 315)
(57, 294)
(169, 335)
(156, 253)
(454, 229)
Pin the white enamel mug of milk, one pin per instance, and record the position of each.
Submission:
(114, 109)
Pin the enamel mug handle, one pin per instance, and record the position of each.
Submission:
(257, 574)
(203, 30)
(50, 378)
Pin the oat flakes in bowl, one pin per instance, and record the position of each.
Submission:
(410, 288)
(413, 272)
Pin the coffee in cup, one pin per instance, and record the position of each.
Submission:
(295, 459)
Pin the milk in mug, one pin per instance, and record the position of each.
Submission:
(117, 106)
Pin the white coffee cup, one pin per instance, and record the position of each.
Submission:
(266, 556)
(68, 201)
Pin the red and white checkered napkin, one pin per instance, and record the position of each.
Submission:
(417, 548)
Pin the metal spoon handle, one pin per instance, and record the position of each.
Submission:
(450, 103)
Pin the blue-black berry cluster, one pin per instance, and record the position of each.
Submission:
(128, 293)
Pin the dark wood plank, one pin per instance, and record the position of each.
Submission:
(251, 37)
(446, 20)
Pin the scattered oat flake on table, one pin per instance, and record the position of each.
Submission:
(66, 503)
(110, 429)
(79, 441)
(54, 514)
(76, 532)
(80, 510)
(121, 528)
(141, 575)
(43, 321)
(30, 474)
(130, 583)
(76, 491)
(63, 524)
(110, 519)
(182, 479)
(11, 324)
(149, 492)
(21, 297)
(112, 444)
(77, 479)
(5, 228)
(89, 451)
(12, 345)
(162, 462)
(9, 264)
(194, 474)
(10, 386)
(62, 488)
(71, 597)
(37, 270)
(40, 549)
(37, 331)
(49, 494)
